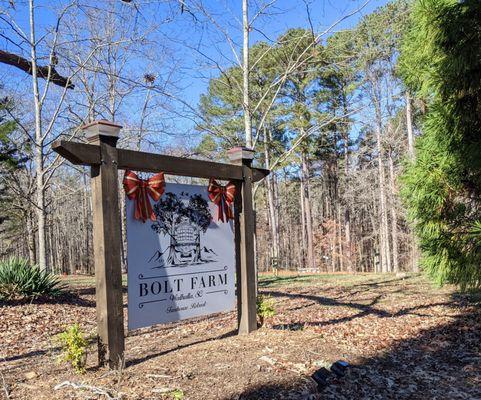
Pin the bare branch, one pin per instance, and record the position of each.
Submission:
(44, 72)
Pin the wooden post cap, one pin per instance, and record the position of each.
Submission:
(239, 153)
(101, 128)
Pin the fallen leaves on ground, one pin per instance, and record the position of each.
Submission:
(403, 338)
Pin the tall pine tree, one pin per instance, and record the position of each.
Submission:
(441, 63)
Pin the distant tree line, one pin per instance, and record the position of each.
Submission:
(335, 135)
(334, 115)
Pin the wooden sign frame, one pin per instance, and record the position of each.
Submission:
(105, 160)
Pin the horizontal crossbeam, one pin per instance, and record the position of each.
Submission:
(89, 154)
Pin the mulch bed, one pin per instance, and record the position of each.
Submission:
(403, 339)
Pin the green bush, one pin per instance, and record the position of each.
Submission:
(177, 394)
(20, 280)
(74, 347)
(265, 308)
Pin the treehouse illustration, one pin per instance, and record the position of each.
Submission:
(184, 220)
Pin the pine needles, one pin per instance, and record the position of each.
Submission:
(441, 62)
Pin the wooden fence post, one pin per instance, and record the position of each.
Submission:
(246, 279)
(106, 243)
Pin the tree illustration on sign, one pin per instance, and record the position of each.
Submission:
(184, 225)
(199, 214)
(168, 211)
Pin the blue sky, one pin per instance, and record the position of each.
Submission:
(180, 33)
(286, 14)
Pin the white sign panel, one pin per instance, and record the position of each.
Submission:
(183, 264)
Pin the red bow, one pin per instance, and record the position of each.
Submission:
(223, 197)
(140, 189)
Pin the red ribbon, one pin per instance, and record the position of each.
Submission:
(139, 190)
(223, 197)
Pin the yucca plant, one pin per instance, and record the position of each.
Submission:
(20, 280)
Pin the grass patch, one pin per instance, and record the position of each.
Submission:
(85, 280)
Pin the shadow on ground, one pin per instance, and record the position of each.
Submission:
(85, 291)
(440, 363)
(290, 280)
(135, 361)
(70, 297)
(363, 309)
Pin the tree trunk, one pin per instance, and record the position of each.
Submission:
(277, 211)
(411, 152)
(307, 210)
(347, 214)
(273, 220)
(245, 73)
(339, 236)
(395, 254)
(409, 124)
(39, 148)
(143, 115)
(32, 253)
(303, 247)
(54, 246)
(289, 224)
(41, 214)
(385, 253)
(415, 254)
(347, 233)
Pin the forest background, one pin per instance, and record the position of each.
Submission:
(314, 87)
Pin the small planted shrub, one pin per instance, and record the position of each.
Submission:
(177, 394)
(265, 308)
(74, 347)
(20, 280)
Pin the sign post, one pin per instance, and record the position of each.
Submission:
(246, 288)
(106, 243)
(105, 159)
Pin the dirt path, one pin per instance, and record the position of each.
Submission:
(403, 338)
